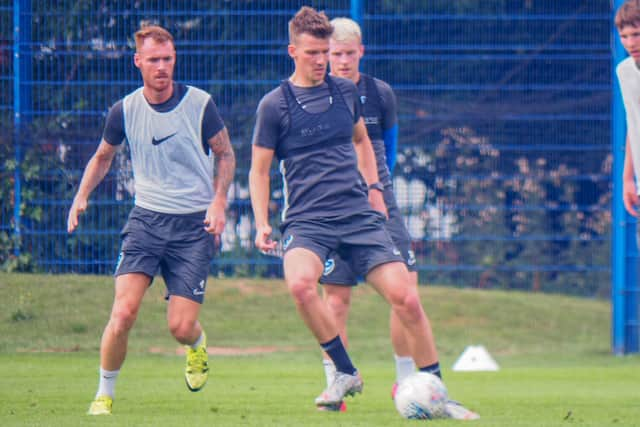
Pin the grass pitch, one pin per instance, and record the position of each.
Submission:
(553, 351)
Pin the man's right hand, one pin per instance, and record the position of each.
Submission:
(79, 206)
(263, 240)
(630, 197)
(376, 200)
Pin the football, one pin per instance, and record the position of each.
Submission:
(421, 396)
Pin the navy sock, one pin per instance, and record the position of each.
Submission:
(336, 351)
(432, 369)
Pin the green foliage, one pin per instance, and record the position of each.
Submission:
(23, 306)
(19, 316)
(43, 179)
(79, 328)
(9, 240)
(528, 209)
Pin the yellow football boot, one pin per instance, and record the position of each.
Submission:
(197, 369)
(101, 406)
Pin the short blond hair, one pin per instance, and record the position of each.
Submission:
(345, 29)
(155, 32)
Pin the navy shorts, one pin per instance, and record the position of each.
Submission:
(361, 240)
(342, 274)
(177, 246)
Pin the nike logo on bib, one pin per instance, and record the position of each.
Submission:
(155, 141)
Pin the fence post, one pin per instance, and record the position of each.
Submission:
(17, 200)
(357, 10)
(631, 333)
(21, 100)
(624, 254)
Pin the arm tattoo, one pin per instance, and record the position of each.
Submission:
(224, 163)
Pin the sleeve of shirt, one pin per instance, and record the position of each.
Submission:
(391, 146)
(389, 105)
(267, 129)
(114, 132)
(211, 121)
(389, 123)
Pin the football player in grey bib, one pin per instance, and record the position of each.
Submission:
(177, 139)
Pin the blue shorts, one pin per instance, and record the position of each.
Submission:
(361, 240)
(342, 274)
(176, 245)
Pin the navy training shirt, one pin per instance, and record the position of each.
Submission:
(311, 131)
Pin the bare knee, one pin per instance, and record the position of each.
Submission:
(182, 329)
(303, 290)
(122, 319)
(408, 306)
(413, 304)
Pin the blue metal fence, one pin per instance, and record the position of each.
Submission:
(504, 161)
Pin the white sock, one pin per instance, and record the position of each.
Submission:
(196, 344)
(107, 385)
(404, 367)
(329, 370)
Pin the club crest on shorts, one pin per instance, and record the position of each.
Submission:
(286, 242)
(412, 257)
(396, 251)
(329, 265)
(200, 291)
(119, 261)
